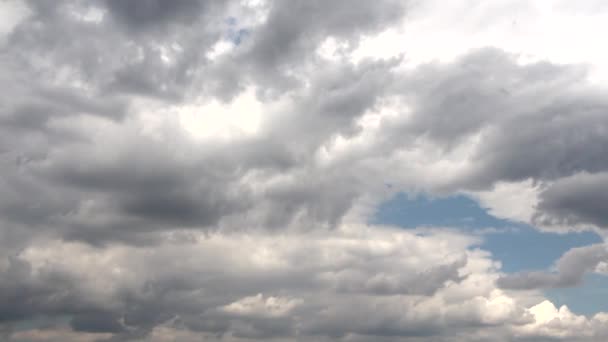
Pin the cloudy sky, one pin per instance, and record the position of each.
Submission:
(303, 170)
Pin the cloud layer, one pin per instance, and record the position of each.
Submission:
(187, 170)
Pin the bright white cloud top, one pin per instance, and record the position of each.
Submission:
(196, 170)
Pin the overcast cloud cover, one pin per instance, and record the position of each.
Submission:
(196, 170)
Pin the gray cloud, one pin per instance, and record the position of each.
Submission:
(26, 294)
(293, 30)
(231, 283)
(538, 121)
(117, 222)
(571, 268)
(148, 14)
(109, 60)
(126, 191)
(96, 322)
(575, 201)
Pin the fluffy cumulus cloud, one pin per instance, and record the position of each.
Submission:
(199, 170)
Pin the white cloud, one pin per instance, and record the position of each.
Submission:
(551, 322)
(215, 120)
(259, 305)
(359, 280)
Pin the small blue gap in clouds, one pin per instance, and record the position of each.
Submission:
(234, 34)
(231, 21)
(236, 37)
(518, 246)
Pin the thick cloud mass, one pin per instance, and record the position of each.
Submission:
(200, 170)
(576, 200)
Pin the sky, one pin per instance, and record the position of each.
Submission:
(303, 170)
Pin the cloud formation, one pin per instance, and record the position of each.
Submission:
(187, 170)
(571, 268)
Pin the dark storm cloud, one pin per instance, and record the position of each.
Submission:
(25, 294)
(96, 322)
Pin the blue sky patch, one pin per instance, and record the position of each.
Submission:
(517, 245)
(588, 299)
(235, 34)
